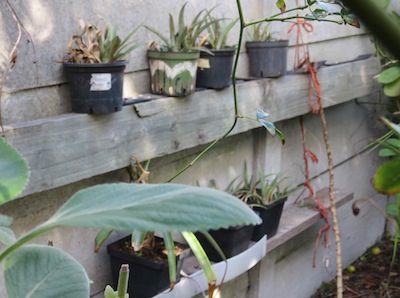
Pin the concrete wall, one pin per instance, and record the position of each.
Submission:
(37, 88)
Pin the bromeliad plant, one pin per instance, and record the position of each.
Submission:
(182, 37)
(173, 64)
(217, 32)
(261, 191)
(95, 68)
(215, 68)
(259, 32)
(95, 45)
(138, 207)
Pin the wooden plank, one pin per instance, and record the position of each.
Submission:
(71, 147)
(296, 219)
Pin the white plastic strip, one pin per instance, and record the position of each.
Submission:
(237, 265)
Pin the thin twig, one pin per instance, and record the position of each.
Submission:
(12, 60)
(335, 224)
(7, 70)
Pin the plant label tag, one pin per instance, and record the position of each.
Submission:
(100, 82)
(203, 63)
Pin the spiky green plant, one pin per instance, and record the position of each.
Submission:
(217, 32)
(182, 38)
(263, 190)
(94, 45)
(259, 32)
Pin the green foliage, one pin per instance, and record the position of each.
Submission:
(182, 38)
(122, 289)
(14, 172)
(390, 75)
(43, 271)
(14, 175)
(112, 48)
(270, 126)
(141, 207)
(200, 255)
(259, 32)
(281, 5)
(387, 177)
(6, 234)
(262, 190)
(390, 78)
(95, 46)
(328, 9)
(217, 32)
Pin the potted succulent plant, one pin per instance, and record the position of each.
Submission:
(231, 241)
(149, 265)
(173, 64)
(267, 56)
(266, 197)
(95, 68)
(145, 253)
(215, 67)
(155, 262)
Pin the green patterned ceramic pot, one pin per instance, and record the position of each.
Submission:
(173, 73)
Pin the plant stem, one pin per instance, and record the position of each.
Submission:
(123, 281)
(335, 225)
(273, 17)
(25, 239)
(304, 18)
(236, 116)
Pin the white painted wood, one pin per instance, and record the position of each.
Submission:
(71, 147)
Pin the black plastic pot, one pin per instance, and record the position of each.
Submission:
(267, 59)
(146, 278)
(96, 88)
(271, 216)
(214, 71)
(232, 241)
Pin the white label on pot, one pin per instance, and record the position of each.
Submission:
(204, 63)
(100, 82)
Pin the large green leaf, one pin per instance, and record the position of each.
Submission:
(14, 172)
(43, 271)
(153, 207)
(392, 89)
(389, 75)
(387, 177)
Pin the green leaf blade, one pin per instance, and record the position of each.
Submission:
(153, 207)
(387, 177)
(389, 75)
(43, 271)
(14, 172)
(392, 89)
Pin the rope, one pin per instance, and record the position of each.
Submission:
(315, 107)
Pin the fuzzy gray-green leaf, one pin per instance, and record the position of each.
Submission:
(153, 207)
(42, 271)
(14, 172)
